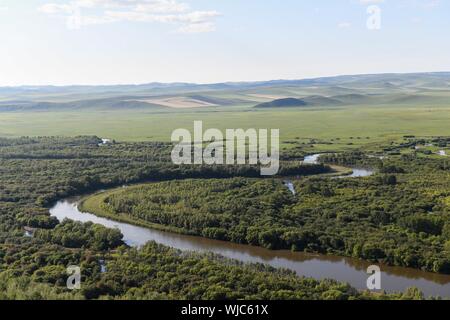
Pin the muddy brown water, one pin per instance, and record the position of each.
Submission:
(352, 271)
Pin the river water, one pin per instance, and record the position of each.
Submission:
(348, 270)
(357, 172)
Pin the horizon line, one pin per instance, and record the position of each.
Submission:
(222, 82)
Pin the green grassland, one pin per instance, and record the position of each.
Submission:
(352, 125)
(336, 114)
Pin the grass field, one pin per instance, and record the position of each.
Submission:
(354, 126)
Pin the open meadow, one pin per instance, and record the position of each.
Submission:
(351, 125)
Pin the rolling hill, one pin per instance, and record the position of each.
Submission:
(82, 105)
(309, 101)
(425, 89)
(283, 103)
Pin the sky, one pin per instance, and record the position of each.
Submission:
(66, 42)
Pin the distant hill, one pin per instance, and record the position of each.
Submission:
(354, 98)
(415, 99)
(322, 101)
(309, 101)
(353, 90)
(283, 103)
(100, 104)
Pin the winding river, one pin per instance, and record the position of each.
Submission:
(352, 271)
(315, 266)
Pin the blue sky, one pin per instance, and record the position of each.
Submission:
(63, 42)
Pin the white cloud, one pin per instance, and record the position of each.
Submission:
(53, 8)
(81, 13)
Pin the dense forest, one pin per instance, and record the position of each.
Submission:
(34, 172)
(36, 270)
(81, 165)
(395, 217)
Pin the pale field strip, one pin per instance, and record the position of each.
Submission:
(179, 102)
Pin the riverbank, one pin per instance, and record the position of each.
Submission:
(99, 204)
(343, 196)
(95, 204)
(348, 270)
